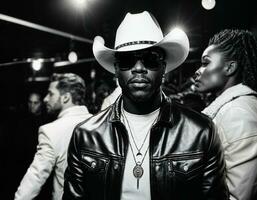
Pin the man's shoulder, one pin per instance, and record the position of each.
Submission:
(95, 120)
(191, 115)
(191, 126)
(62, 124)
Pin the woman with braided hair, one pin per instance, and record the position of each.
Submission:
(229, 70)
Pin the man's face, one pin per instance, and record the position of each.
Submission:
(211, 76)
(34, 104)
(140, 73)
(53, 99)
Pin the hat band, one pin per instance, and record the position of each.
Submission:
(134, 43)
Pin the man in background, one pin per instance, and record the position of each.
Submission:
(25, 139)
(65, 98)
(35, 103)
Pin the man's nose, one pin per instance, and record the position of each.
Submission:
(139, 67)
(46, 99)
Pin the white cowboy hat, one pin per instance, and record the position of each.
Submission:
(141, 31)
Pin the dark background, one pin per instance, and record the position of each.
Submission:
(98, 17)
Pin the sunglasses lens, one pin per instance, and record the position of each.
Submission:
(125, 62)
(152, 60)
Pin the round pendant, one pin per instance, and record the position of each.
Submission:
(138, 171)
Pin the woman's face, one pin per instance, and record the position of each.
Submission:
(211, 77)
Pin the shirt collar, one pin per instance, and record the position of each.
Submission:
(165, 116)
(227, 96)
(74, 110)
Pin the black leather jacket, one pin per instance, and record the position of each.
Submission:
(186, 158)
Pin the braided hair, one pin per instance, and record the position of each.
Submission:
(240, 46)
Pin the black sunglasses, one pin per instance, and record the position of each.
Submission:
(152, 59)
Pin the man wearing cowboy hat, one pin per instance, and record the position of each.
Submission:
(144, 146)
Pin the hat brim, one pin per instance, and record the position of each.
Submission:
(175, 44)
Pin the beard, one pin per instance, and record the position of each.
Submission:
(54, 110)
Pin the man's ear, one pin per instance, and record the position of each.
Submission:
(66, 97)
(231, 68)
(164, 68)
(165, 65)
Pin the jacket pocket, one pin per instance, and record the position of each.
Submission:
(186, 171)
(186, 167)
(94, 163)
(95, 167)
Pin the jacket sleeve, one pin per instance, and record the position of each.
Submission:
(39, 170)
(73, 177)
(214, 179)
(240, 147)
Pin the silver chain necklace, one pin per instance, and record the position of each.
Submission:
(138, 170)
(132, 136)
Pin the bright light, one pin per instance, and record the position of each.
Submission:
(73, 57)
(37, 64)
(177, 32)
(208, 4)
(80, 4)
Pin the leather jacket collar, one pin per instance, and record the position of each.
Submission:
(165, 116)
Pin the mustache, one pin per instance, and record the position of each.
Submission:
(139, 79)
